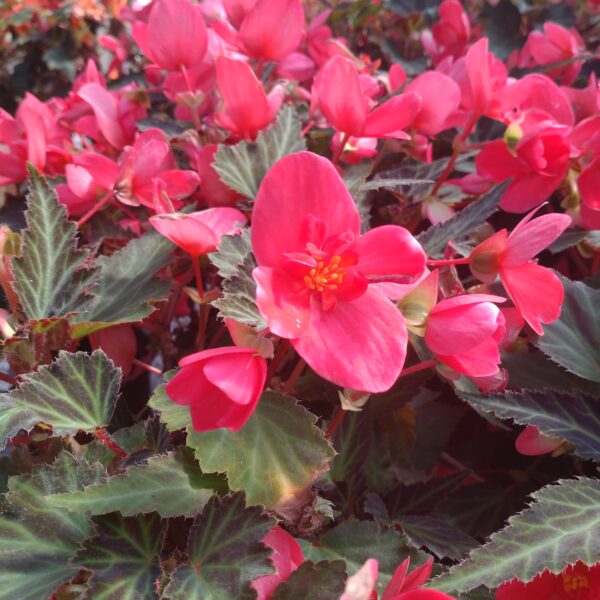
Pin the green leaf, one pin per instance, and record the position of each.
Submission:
(325, 580)
(161, 485)
(435, 239)
(351, 440)
(355, 542)
(174, 416)
(572, 237)
(277, 454)
(561, 527)
(442, 538)
(13, 418)
(76, 391)
(574, 340)
(235, 262)
(50, 277)
(225, 551)
(574, 417)
(123, 556)
(37, 540)
(243, 166)
(127, 286)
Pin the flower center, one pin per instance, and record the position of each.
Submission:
(325, 276)
(572, 583)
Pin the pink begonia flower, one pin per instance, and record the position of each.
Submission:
(272, 29)
(449, 36)
(287, 557)
(175, 35)
(585, 101)
(554, 45)
(576, 582)
(236, 10)
(201, 232)
(33, 135)
(402, 585)
(464, 332)
(536, 291)
(221, 386)
(212, 191)
(588, 184)
(318, 277)
(355, 149)
(344, 104)
(531, 442)
(537, 165)
(246, 108)
(440, 98)
(191, 92)
(119, 343)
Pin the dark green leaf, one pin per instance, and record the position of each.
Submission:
(351, 442)
(574, 340)
(574, 417)
(561, 527)
(50, 277)
(435, 239)
(277, 454)
(243, 166)
(225, 551)
(123, 556)
(322, 581)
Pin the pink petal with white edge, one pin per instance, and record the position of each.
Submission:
(285, 198)
(367, 358)
(283, 301)
(390, 253)
(536, 291)
(530, 237)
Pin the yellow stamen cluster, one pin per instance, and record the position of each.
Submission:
(324, 276)
(572, 583)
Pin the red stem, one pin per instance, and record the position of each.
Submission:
(8, 378)
(90, 213)
(198, 276)
(288, 386)
(335, 422)
(426, 364)
(103, 436)
(194, 109)
(447, 262)
(147, 367)
(277, 360)
(338, 152)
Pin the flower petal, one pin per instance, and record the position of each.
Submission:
(393, 116)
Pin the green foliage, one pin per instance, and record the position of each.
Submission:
(562, 526)
(243, 166)
(77, 391)
(275, 456)
(123, 555)
(51, 278)
(164, 485)
(235, 262)
(574, 340)
(322, 581)
(174, 416)
(37, 540)
(225, 552)
(574, 417)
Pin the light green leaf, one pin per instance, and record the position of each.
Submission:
(243, 166)
(355, 542)
(162, 485)
(50, 277)
(325, 580)
(127, 286)
(174, 416)
(574, 340)
(574, 417)
(561, 527)
(435, 239)
(235, 262)
(76, 391)
(13, 418)
(225, 551)
(37, 540)
(278, 453)
(123, 556)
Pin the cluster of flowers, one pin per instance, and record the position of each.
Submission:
(345, 301)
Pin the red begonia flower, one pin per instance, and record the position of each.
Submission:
(246, 108)
(538, 165)
(175, 35)
(531, 442)
(349, 110)
(287, 557)
(535, 290)
(318, 277)
(464, 332)
(588, 184)
(199, 232)
(449, 36)
(221, 386)
(119, 343)
(576, 582)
